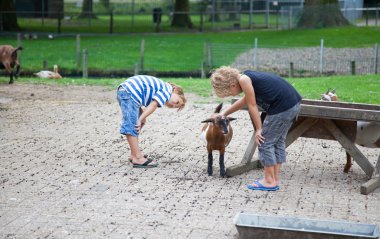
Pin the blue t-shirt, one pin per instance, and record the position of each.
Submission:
(145, 88)
(273, 94)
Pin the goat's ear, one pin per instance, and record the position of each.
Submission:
(218, 108)
(207, 121)
(231, 119)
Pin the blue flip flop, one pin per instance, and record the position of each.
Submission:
(262, 187)
(147, 164)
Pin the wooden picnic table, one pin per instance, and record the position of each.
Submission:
(325, 120)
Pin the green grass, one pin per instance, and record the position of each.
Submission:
(176, 52)
(357, 89)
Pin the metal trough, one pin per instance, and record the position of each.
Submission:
(253, 226)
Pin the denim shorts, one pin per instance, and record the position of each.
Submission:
(275, 130)
(130, 112)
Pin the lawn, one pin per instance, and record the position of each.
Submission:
(357, 89)
(174, 52)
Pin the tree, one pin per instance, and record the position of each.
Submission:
(87, 11)
(322, 13)
(181, 16)
(8, 16)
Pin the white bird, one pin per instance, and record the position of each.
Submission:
(49, 74)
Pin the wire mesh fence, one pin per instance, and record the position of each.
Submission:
(131, 16)
(296, 61)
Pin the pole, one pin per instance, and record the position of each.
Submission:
(142, 51)
(321, 58)
(85, 63)
(254, 54)
(78, 53)
(376, 57)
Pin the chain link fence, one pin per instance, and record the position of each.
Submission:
(295, 61)
(131, 16)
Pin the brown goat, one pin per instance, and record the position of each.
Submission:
(218, 134)
(367, 133)
(8, 60)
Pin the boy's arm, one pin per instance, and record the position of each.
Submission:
(148, 110)
(240, 103)
(250, 99)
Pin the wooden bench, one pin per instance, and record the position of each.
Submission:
(325, 120)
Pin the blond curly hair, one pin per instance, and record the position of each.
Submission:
(222, 78)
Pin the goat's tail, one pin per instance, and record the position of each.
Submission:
(14, 53)
(218, 108)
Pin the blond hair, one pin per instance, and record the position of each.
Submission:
(222, 78)
(179, 91)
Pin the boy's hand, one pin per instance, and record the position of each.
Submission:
(140, 124)
(259, 138)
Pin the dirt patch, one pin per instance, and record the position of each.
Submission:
(64, 172)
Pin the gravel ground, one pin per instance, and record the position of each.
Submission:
(64, 172)
(306, 60)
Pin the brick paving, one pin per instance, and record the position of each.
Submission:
(64, 172)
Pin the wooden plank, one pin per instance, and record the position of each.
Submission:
(242, 168)
(250, 151)
(350, 147)
(298, 130)
(337, 110)
(370, 186)
(341, 104)
(339, 113)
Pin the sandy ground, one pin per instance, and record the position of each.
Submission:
(64, 172)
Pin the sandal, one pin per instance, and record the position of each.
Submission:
(147, 164)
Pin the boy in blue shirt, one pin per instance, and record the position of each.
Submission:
(152, 93)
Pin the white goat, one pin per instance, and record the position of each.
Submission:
(367, 133)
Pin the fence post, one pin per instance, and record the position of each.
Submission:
(254, 54)
(321, 58)
(59, 23)
(136, 69)
(19, 43)
(209, 55)
(85, 63)
(203, 73)
(353, 68)
(201, 23)
(376, 57)
(111, 21)
(250, 14)
(44, 64)
(291, 70)
(78, 53)
(142, 51)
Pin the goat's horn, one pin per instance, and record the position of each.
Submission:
(333, 91)
(328, 90)
(207, 121)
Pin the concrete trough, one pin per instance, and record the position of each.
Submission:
(253, 226)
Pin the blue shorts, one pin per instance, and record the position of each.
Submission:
(130, 112)
(275, 130)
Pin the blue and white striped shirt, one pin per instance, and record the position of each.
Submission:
(145, 88)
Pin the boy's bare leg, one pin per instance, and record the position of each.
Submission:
(277, 171)
(269, 177)
(136, 154)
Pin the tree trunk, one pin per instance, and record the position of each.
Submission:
(322, 13)
(87, 11)
(8, 21)
(181, 16)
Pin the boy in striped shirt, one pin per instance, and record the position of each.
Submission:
(151, 93)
